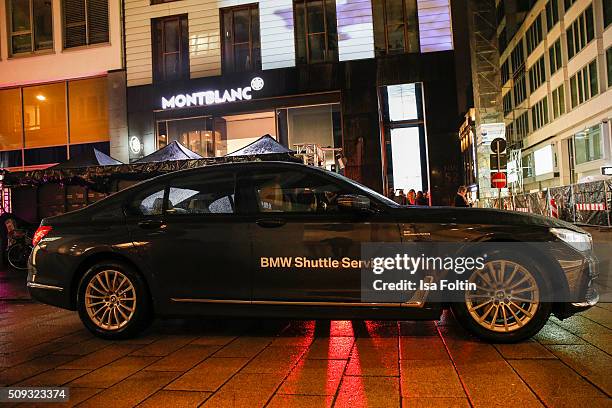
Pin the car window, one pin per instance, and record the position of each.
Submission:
(202, 194)
(296, 192)
(148, 202)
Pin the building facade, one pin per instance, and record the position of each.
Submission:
(62, 83)
(556, 74)
(372, 83)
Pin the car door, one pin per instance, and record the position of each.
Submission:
(197, 244)
(298, 230)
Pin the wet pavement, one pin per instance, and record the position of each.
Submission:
(282, 363)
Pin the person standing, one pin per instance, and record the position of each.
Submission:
(411, 198)
(460, 198)
(400, 198)
(420, 199)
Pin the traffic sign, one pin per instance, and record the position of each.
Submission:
(493, 162)
(498, 180)
(498, 145)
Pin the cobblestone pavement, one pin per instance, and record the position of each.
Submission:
(279, 363)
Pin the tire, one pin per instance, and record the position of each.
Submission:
(113, 301)
(18, 255)
(502, 314)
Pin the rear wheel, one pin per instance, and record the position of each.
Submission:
(507, 305)
(113, 301)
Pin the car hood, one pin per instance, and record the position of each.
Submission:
(483, 216)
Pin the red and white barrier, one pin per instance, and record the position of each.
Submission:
(591, 206)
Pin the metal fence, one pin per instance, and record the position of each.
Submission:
(584, 203)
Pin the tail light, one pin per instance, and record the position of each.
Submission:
(40, 233)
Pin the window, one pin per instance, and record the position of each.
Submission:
(558, 101)
(587, 145)
(202, 194)
(552, 14)
(316, 35)
(554, 56)
(85, 22)
(36, 121)
(522, 125)
(583, 84)
(31, 26)
(607, 13)
(404, 136)
(395, 26)
(537, 74)
(11, 130)
(505, 71)
(507, 100)
(148, 202)
(580, 32)
(534, 35)
(296, 192)
(88, 107)
(519, 87)
(569, 3)
(609, 64)
(44, 114)
(216, 136)
(241, 43)
(517, 57)
(170, 48)
(539, 114)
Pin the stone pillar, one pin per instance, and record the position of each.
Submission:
(117, 115)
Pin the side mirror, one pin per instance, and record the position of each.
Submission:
(354, 202)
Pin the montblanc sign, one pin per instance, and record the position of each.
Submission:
(212, 97)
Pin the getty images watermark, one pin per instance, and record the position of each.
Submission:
(450, 272)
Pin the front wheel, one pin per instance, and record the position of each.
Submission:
(18, 255)
(506, 307)
(113, 301)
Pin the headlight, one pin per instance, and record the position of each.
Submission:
(581, 242)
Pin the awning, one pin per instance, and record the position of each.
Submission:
(92, 157)
(173, 151)
(264, 145)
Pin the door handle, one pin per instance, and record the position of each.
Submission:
(151, 224)
(271, 222)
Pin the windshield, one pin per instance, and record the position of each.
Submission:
(367, 190)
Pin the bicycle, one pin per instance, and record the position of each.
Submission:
(19, 249)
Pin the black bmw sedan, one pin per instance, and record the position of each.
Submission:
(272, 239)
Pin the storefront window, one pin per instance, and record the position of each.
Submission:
(44, 113)
(405, 139)
(318, 125)
(406, 158)
(588, 145)
(11, 130)
(88, 104)
(213, 137)
(237, 131)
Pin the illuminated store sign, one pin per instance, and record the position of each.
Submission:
(212, 97)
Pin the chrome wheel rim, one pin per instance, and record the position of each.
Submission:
(507, 296)
(110, 300)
